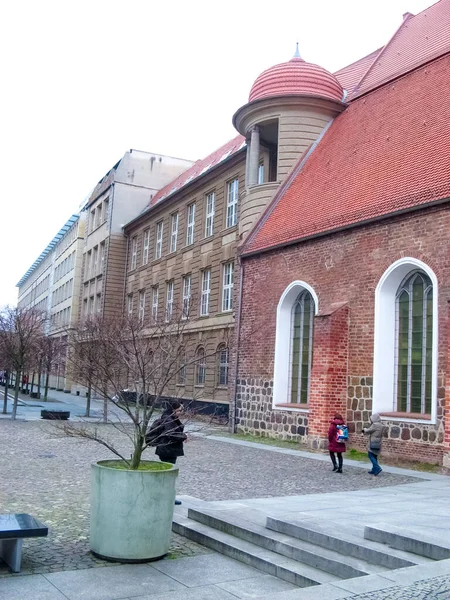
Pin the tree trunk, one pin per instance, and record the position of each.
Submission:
(88, 401)
(16, 396)
(32, 383)
(39, 381)
(5, 397)
(47, 376)
(136, 458)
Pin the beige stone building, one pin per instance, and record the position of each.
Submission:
(52, 285)
(186, 244)
(118, 197)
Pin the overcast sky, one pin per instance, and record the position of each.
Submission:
(85, 81)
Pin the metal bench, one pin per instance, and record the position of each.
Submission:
(13, 529)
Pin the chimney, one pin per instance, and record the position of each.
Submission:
(407, 15)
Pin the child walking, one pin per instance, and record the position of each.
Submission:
(335, 447)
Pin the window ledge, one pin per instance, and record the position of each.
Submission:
(292, 405)
(406, 415)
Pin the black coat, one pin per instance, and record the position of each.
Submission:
(169, 434)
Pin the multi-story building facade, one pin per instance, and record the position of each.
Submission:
(52, 285)
(118, 197)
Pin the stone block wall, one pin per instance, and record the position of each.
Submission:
(255, 414)
(408, 441)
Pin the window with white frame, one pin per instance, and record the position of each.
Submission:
(206, 291)
(414, 344)
(169, 300)
(174, 233)
(227, 287)
(98, 302)
(155, 294)
(301, 347)
(145, 246)
(210, 209)
(294, 345)
(405, 368)
(133, 252)
(222, 356)
(200, 367)
(159, 239)
(181, 375)
(261, 173)
(141, 305)
(190, 224)
(130, 305)
(186, 296)
(232, 202)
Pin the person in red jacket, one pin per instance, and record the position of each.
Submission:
(335, 447)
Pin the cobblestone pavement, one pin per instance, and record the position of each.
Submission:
(437, 588)
(47, 475)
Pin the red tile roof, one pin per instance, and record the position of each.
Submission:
(199, 168)
(419, 39)
(296, 77)
(351, 75)
(389, 151)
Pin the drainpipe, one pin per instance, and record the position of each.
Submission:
(237, 337)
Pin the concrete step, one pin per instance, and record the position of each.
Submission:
(343, 542)
(304, 552)
(408, 541)
(250, 554)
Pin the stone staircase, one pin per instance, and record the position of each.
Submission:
(304, 551)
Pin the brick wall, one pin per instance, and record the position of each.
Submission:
(344, 269)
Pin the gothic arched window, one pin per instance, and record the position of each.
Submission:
(301, 347)
(414, 344)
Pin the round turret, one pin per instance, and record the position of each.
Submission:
(298, 78)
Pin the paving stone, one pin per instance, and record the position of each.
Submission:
(55, 489)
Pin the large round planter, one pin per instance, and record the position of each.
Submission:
(131, 512)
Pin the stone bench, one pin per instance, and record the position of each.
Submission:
(13, 529)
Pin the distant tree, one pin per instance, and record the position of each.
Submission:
(21, 333)
(132, 366)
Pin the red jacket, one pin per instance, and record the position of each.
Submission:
(333, 445)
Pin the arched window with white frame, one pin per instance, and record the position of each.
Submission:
(405, 342)
(413, 344)
(301, 347)
(294, 346)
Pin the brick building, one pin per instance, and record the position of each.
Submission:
(346, 277)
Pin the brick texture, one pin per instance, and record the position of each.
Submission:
(344, 269)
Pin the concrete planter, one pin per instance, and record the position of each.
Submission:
(131, 512)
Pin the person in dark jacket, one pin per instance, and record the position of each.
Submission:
(336, 448)
(167, 434)
(375, 433)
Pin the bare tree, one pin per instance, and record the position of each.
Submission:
(49, 352)
(133, 366)
(21, 332)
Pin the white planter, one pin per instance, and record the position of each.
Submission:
(131, 512)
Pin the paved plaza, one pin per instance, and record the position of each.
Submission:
(47, 475)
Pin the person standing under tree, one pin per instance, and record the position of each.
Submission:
(375, 432)
(167, 434)
(336, 447)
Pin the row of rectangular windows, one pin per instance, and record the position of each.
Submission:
(95, 259)
(62, 293)
(99, 215)
(205, 294)
(64, 267)
(210, 200)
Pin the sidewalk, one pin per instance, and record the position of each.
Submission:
(423, 505)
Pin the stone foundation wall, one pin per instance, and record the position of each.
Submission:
(408, 441)
(255, 414)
